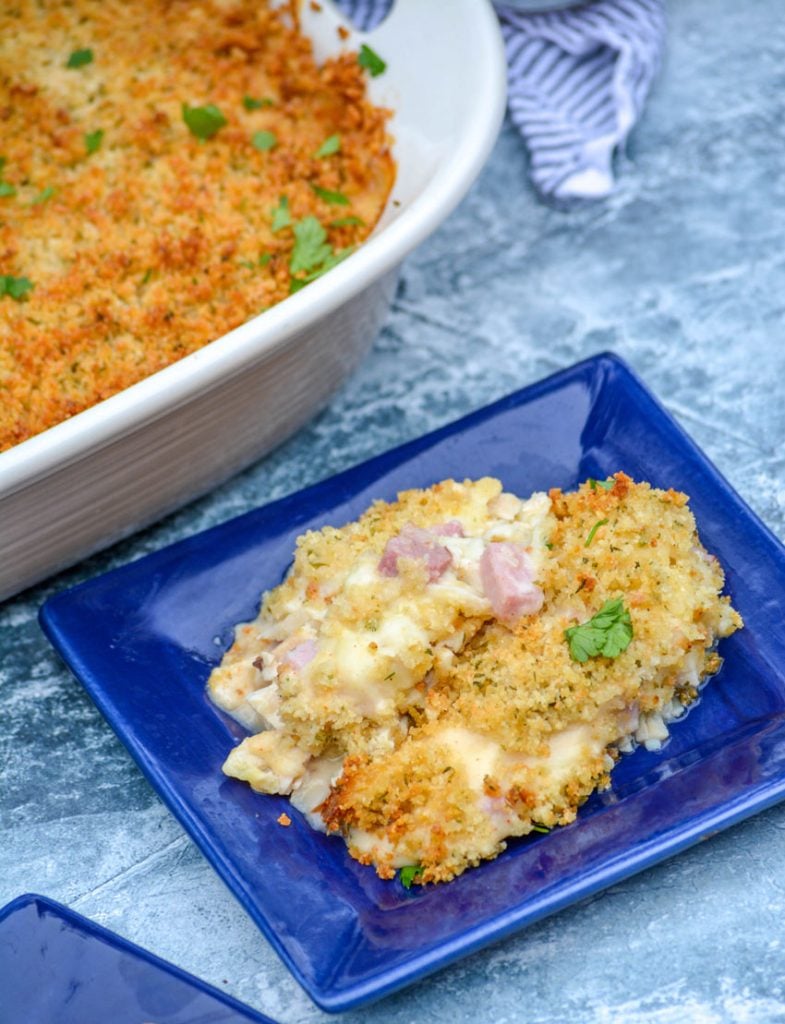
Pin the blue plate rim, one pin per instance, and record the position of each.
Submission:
(108, 937)
(335, 999)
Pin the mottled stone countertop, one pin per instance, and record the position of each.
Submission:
(682, 272)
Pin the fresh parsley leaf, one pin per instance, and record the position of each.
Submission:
(335, 198)
(347, 222)
(79, 58)
(371, 61)
(251, 103)
(281, 217)
(408, 874)
(609, 632)
(93, 140)
(332, 261)
(331, 145)
(606, 485)
(263, 141)
(203, 122)
(16, 288)
(44, 195)
(540, 828)
(594, 529)
(311, 247)
(6, 189)
(264, 259)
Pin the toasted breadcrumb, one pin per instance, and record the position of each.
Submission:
(502, 732)
(156, 242)
(284, 819)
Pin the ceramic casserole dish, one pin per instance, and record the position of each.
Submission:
(130, 459)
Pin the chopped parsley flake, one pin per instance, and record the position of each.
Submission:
(281, 216)
(330, 146)
(6, 189)
(263, 141)
(93, 140)
(335, 198)
(408, 874)
(251, 103)
(540, 828)
(79, 58)
(203, 122)
(44, 195)
(594, 529)
(264, 259)
(311, 247)
(312, 253)
(371, 61)
(609, 632)
(347, 222)
(607, 485)
(16, 288)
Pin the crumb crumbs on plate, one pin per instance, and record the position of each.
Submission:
(463, 666)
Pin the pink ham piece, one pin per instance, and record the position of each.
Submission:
(452, 528)
(507, 576)
(413, 542)
(301, 654)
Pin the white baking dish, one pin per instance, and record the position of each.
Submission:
(138, 455)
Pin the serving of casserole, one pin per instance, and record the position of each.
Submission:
(96, 459)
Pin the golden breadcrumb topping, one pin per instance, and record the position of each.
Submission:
(504, 726)
(170, 169)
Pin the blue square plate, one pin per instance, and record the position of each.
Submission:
(142, 640)
(56, 965)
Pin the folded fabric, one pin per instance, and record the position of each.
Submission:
(578, 80)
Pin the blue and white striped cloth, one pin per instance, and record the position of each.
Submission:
(578, 80)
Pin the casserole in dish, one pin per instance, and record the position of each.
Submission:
(141, 453)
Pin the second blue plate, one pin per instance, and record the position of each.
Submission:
(143, 639)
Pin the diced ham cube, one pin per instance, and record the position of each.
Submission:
(507, 576)
(413, 542)
(299, 656)
(452, 528)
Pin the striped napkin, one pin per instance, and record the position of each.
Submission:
(578, 80)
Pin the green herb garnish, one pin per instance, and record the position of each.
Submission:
(335, 198)
(607, 485)
(371, 61)
(594, 529)
(251, 103)
(203, 122)
(540, 828)
(263, 141)
(347, 222)
(609, 632)
(311, 247)
(408, 874)
(264, 259)
(281, 216)
(79, 58)
(16, 288)
(6, 189)
(332, 260)
(331, 145)
(44, 195)
(93, 140)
